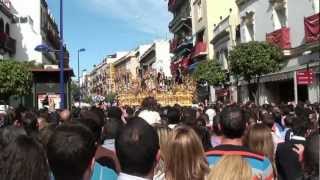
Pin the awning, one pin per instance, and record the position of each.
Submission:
(280, 38)
(312, 28)
(200, 49)
(193, 66)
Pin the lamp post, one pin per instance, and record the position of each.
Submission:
(79, 50)
(45, 49)
(62, 93)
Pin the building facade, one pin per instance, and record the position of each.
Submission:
(157, 58)
(297, 33)
(34, 25)
(226, 35)
(7, 39)
(181, 44)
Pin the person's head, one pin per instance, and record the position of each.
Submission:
(9, 134)
(92, 121)
(232, 122)
(259, 140)
(185, 158)
(149, 103)
(267, 118)
(311, 156)
(189, 116)
(45, 133)
(289, 119)
(111, 128)
(173, 115)
(65, 116)
(71, 152)
(115, 112)
(29, 122)
(215, 125)
(231, 167)
(137, 146)
(24, 159)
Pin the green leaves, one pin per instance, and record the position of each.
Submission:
(209, 71)
(15, 78)
(253, 59)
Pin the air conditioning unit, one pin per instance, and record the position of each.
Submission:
(51, 67)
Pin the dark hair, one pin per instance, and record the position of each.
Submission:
(300, 126)
(46, 133)
(114, 112)
(30, 123)
(9, 134)
(137, 146)
(111, 128)
(173, 115)
(149, 103)
(70, 151)
(215, 125)
(289, 119)
(24, 159)
(232, 122)
(204, 136)
(92, 121)
(189, 116)
(311, 157)
(267, 118)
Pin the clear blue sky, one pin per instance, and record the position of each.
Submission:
(107, 26)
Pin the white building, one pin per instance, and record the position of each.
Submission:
(283, 22)
(7, 38)
(34, 25)
(157, 57)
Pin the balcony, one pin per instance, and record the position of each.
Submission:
(312, 28)
(7, 43)
(199, 50)
(280, 38)
(221, 30)
(176, 45)
(53, 39)
(173, 5)
(179, 22)
(222, 26)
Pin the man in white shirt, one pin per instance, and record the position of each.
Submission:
(137, 147)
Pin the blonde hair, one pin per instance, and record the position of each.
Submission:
(231, 167)
(164, 135)
(185, 159)
(259, 140)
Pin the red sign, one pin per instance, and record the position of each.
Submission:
(305, 77)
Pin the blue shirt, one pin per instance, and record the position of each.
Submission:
(103, 173)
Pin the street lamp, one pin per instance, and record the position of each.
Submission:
(79, 50)
(45, 49)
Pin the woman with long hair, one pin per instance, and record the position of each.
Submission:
(163, 132)
(185, 159)
(231, 167)
(259, 140)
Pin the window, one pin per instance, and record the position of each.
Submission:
(7, 28)
(1, 25)
(249, 31)
(247, 27)
(279, 14)
(23, 20)
(199, 10)
(316, 6)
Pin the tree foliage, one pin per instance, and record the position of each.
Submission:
(253, 59)
(209, 71)
(15, 78)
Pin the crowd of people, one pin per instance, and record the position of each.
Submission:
(150, 142)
